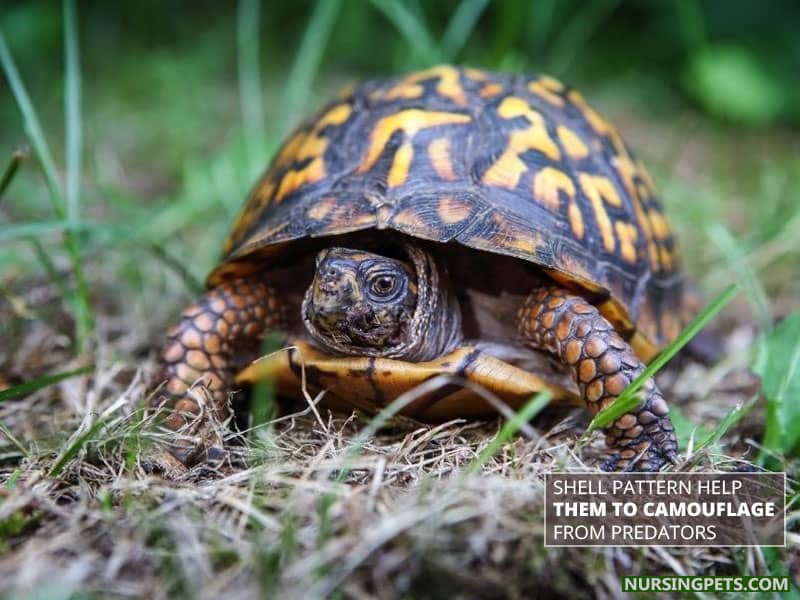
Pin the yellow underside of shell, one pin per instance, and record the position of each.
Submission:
(465, 383)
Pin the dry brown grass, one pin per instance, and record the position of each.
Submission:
(297, 512)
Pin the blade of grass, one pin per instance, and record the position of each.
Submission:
(262, 398)
(532, 408)
(11, 170)
(377, 422)
(412, 29)
(42, 382)
(192, 284)
(778, 364)
(72, 109)
(628, 400)
(461, 26)
(12, 481)
(622, 405)
(734, 416)
(81, 303)
(50, 268)
(7, 432)
(40, 228)
(72, 450)
(304, 69)
(731, 249)
(32, 127)
(79, 439)
(250, 101)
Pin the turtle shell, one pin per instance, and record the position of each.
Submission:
(501, 163)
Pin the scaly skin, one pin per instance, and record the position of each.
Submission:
(603, 365)
(208, 343)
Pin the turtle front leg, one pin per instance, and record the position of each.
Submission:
(602, 364)
(212, 338)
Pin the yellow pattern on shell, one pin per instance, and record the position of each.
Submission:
(509, 167)
(408, 121)
(439, 154)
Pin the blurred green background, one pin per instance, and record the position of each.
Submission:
(180, 106)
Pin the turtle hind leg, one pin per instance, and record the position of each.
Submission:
(602, 364)
(204, 347)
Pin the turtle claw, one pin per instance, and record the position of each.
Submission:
(651, 460)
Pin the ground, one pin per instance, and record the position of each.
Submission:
(314, 504)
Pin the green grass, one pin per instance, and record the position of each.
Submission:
(525, 414)
(145, 142)
(629, 399)
(80, 301)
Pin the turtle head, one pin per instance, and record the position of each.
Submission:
(360, 301)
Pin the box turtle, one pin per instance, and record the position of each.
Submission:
(489, 227)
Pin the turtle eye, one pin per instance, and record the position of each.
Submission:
(384, 285)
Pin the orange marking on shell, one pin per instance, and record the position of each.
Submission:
(547, 88)
(346, 92)
(402, 91)
(670, 325)
(659, 224)
(308, 146)
(448, 86)
(629, 174)
(600, 190)
(407, 218)
(603, 187)
(548, 185)
(666, 258)
(408, 121)
(527, 244)
(475, 74)
(398, 172)
(628, 235)
(452, 210)
(576, 220)
(321, 209)
(509, 167)
(646, 178)
(490, 90)
(573, 145)
(270, 233)
(551, 83)
(439, 154)
(598, 123)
